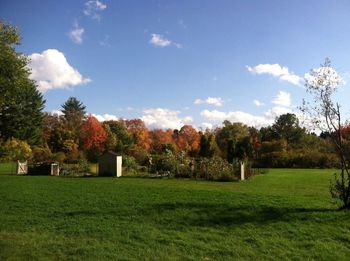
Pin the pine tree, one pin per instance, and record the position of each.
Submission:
(21, 104)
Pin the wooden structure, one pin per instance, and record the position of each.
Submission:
(110, 164)
(22, 168)
(242, 170)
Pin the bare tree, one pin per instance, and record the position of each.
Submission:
(325, 114)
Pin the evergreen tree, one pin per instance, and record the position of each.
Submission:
(21, 104)
(74, 113)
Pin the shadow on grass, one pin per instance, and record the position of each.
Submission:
(206, 214)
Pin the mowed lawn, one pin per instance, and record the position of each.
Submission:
(285, 214)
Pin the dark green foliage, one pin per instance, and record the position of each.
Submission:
(124, 138)
(21, 104)
(74, 113)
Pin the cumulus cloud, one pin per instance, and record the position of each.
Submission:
(282, 105)
(161, 41)
(164, 118)
(278, 71)
(93, 8)
(217, 101)
(105, 117)
(236, 116)
(51, 70)
(258, 103)
(283, 99)
(76, 34)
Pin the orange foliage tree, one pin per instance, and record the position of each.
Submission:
(189, 139)
(160, 138)
(139, 132)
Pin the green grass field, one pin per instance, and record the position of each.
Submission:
(282, 215)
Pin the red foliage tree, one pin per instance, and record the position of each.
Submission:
(94, 135)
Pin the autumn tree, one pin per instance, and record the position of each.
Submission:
(94, 137)
(139, 132)
(21, 104)
(325, 114)
(190, 138)
(161, 139)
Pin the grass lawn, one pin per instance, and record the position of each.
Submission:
(285, 214)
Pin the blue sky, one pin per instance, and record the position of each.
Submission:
(181, 62)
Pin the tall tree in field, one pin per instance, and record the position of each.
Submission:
(21, 104)
(111, 138)
(74, 113)
(287, 127)
(325, 113)
(94, 137)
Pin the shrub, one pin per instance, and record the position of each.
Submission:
(14, 149)
(130, 165)
(42, 154)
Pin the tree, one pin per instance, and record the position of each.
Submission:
(191, 139)
(111, 138)
(124, 138)
(74, 113)
(160, 139)
(287, 127)
(208, 147)
(94, 137)
(325, 114)
(139, 132)
(21, 104)
(228, 136)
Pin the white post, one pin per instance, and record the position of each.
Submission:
(119, 166)
(242, 170)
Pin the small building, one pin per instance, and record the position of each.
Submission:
(110, 164)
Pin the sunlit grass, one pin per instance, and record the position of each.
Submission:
(285, 214)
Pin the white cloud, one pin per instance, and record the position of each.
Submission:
(164, 118)
(277, 71)
(105, 117)
(93, 8)
(76, 34)
(56, 112)
(51, 70)
(283, 99)
(161, 41)
(258, 103)
(283, 106)
(236, 116)
(217, 101)
(206, 125)
(277, 111)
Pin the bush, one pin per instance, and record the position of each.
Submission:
(14, 149)
(215, 169)
(130, 165)
(42, 154)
